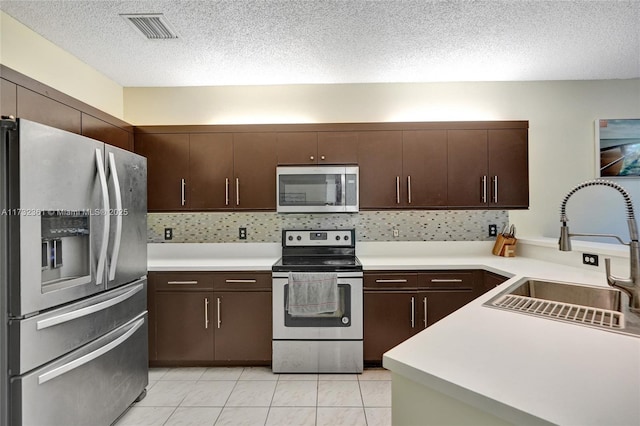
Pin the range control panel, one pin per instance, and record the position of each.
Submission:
(336, 237)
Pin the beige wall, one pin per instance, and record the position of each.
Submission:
(32, 55)
(561, 117)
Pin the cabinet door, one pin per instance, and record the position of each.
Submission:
(108, 133)
(389, 319)
(435, 305)
(467, 173)
(210, 171)
(184, 325)
(167, 169)
(492, 280)
(424, 166)
(243, 326)
(508, 168)
(297, 148)
(380, 161)
(33, 106)
(254, 162)
(337, 148)
(8, 98)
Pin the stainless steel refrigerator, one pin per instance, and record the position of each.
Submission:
(73, 277)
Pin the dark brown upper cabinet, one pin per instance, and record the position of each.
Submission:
(424, 168)
(488, 168)
(167, 169)
(301, 148)
(36, 107)
(108, 133)
(380, 161)
(8, 98)
(210, 184)
(254, 165)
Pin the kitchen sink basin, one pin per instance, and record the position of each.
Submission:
(600, 307)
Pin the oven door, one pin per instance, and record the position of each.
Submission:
(346, 323)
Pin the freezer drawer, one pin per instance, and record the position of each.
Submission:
(91, 386)
(39, 339)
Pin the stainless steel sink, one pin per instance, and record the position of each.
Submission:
(600, 307)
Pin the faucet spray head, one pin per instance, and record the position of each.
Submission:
(564, 243)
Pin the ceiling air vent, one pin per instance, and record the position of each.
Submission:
(153, 26)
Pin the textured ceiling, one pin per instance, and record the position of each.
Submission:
(242, 42)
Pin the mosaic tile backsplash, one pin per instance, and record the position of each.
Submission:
(266, 227)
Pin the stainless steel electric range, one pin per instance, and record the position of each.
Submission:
(319, 342)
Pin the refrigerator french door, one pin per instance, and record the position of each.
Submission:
(74, 276)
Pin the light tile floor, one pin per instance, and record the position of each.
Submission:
(256, 396)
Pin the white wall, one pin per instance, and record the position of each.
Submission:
(561, 118)
(32, 55)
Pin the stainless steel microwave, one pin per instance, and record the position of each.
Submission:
(317, 189)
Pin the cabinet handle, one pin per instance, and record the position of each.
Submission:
(240, 281)
(392, 281)
(182, 282)
(446, 280)
(311, 158)
(495, 189)
(237, 191)
(206, 312)
(219, 321)
(322, 157)
(409, 188)
(484, 189)
(397, 189)
(182, 195)
(413, 312)
(425, 311)
(226, 191)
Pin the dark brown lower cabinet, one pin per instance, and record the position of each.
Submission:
(184, 331)
(387, 321)
(491, 280)
(243, 326)
(398, 305)
(209, 318)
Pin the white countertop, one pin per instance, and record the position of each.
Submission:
(523, 368)
(520, 368)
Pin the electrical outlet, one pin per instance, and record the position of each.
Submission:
(493, 230)
(396, 232)
(590, 259)
(242, 233)
(168, 233)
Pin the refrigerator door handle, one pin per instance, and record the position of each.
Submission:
(118, 214)
(102, 257)
(76, 363)
(59, 319)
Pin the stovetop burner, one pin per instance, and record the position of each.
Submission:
(317, 264)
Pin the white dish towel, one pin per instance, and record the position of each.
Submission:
(312, 293)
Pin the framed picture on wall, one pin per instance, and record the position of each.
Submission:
(618, 147)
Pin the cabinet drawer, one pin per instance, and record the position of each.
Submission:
(181, 281)
(390, 280)
(242, 281)
(446, 279)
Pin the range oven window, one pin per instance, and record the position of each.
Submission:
(339, 318)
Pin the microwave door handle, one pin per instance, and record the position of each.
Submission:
(102, 256)
(342, 199)
(118, 214)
